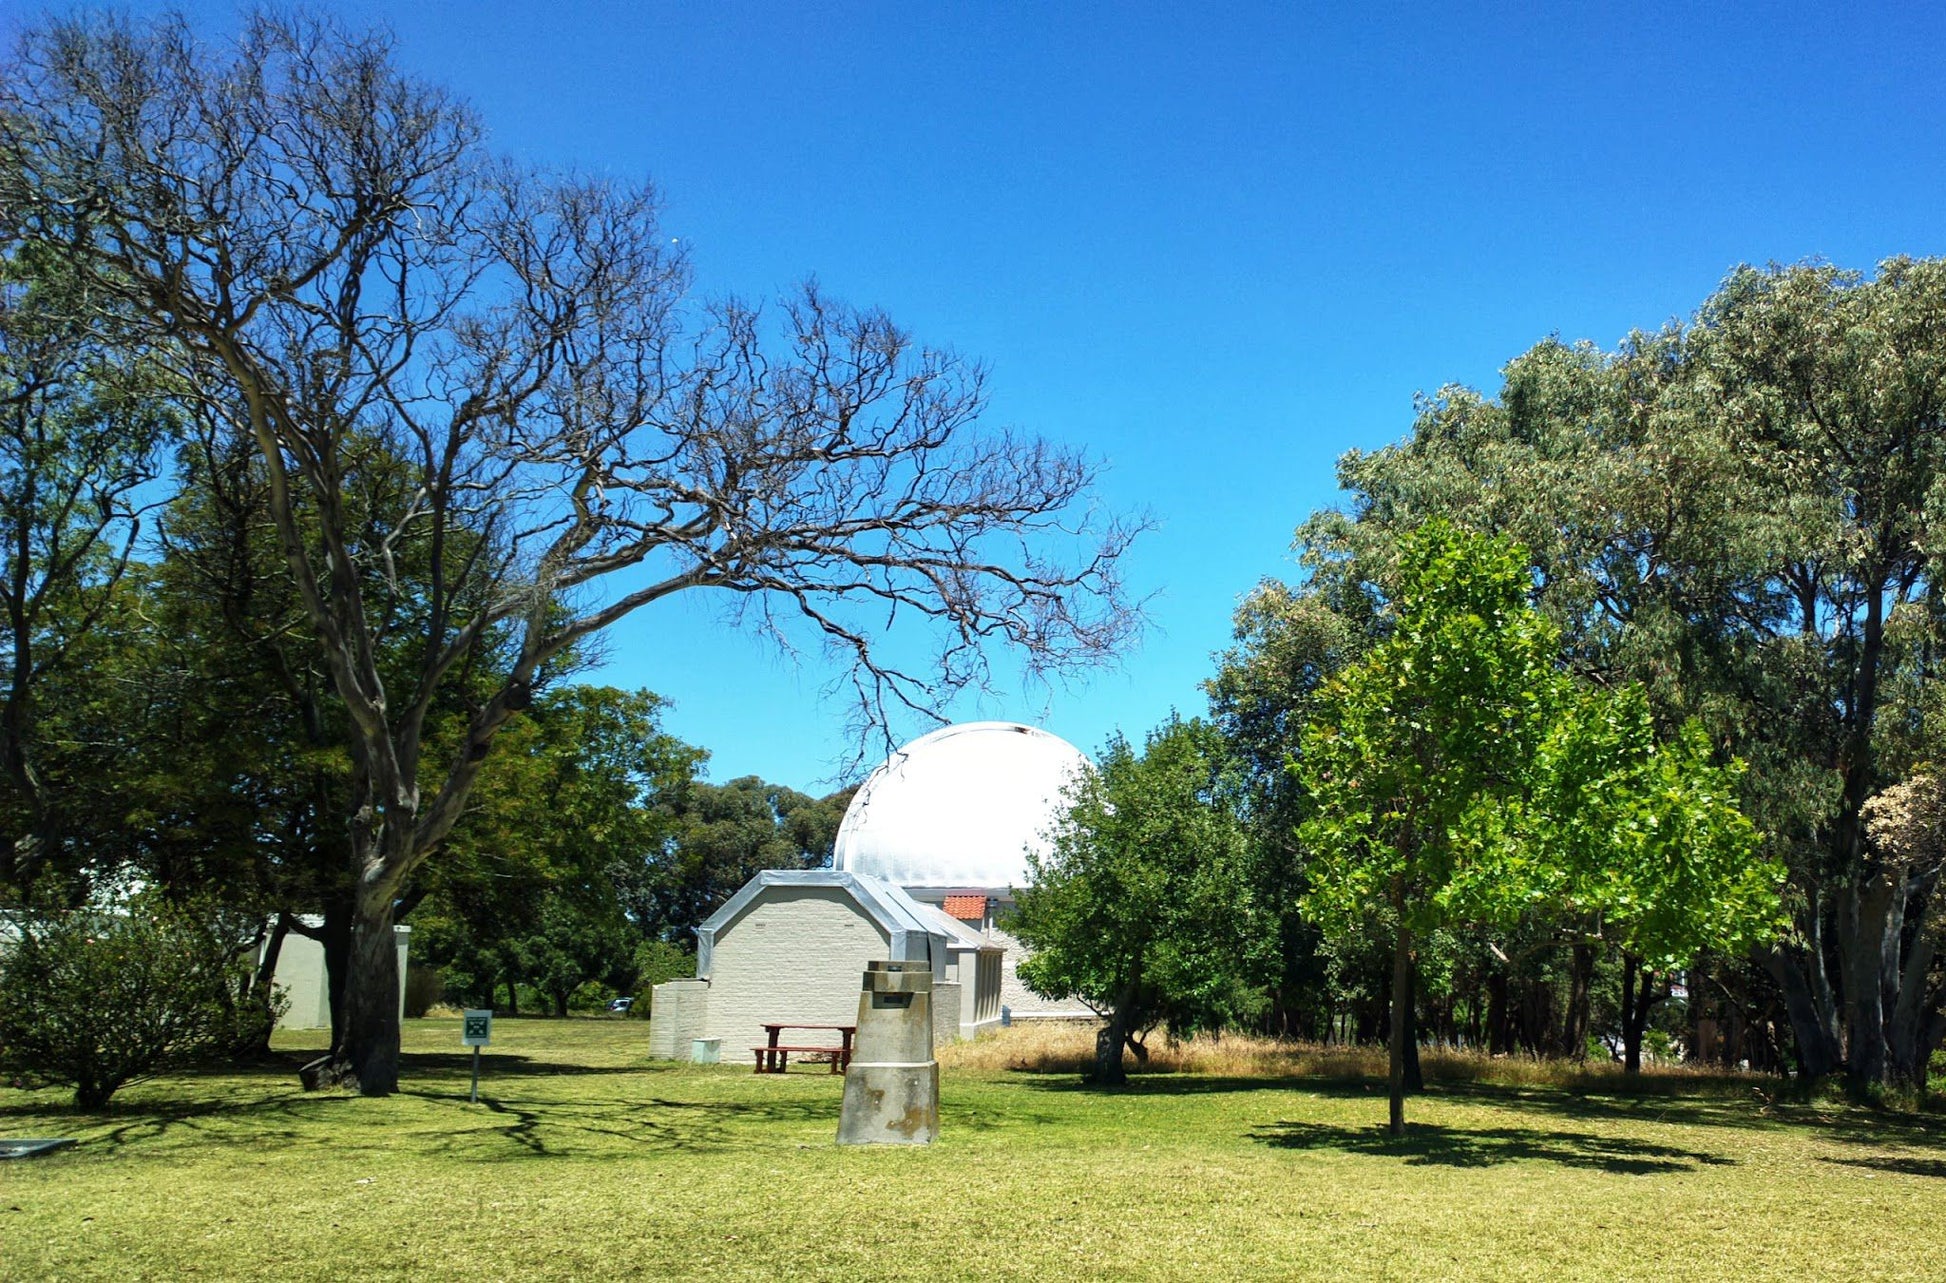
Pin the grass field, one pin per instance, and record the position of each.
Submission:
(583, 1161)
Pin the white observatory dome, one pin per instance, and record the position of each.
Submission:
(959, 807)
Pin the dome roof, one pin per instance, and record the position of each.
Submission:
(959, 807)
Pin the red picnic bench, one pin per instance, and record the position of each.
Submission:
(774, 1057)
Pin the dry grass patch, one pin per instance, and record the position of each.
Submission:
(1068, 1047)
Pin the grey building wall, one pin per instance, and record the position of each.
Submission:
(1022, 1001)
(301, 975)
(796, 954)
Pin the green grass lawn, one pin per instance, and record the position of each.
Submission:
(584, 1161)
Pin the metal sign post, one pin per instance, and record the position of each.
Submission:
(476, 1031)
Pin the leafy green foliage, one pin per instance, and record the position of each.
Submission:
(1416, 747)
(1460, 776)
(1647, 837)
(1145, 906)
(563, 823)
(84, 418)
(98, 997)
(1739, 514)
(722, 835)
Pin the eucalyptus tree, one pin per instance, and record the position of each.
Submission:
(1739, 514)
(335, 261)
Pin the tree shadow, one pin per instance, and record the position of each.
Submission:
(457, 1062)
(1425, 1145)
(1747, 1110)
(126, 1122)
(649, 1124)
(1901, 1166)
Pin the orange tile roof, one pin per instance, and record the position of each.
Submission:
(967, 908)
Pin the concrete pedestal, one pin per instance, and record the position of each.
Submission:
(892, 1087)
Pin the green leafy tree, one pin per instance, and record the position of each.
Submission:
(721, 836)
(1737, 514)
(1287, 645)
(536, 886)
(1416, 748)
(84, 417)
(1644, 846)
(1145, 905)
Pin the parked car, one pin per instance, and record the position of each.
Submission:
(622, 1005)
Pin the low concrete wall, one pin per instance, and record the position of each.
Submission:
(947, 996)
(678, 1010)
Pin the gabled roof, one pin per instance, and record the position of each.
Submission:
(967, 908)
(958, 934)
(915, 935)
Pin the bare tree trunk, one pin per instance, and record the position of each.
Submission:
(365, 1054)
(336, 941)
(1401, 1024)
(1863, 926)
(261, 990)
(1638, 996)
(1574, 1028)
(1415, 1078)
(1914, 1006)
(1816, 1042)
(365, 1034)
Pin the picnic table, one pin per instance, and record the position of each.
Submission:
(774, 1057)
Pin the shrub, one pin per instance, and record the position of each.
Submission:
(99, 997)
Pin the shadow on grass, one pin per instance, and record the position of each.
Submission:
(127, 1121)
(550, 1129)
(1751, 1110)
(506, 1062)
(1901, 1166)
(1491, 1146)
(500, 1127)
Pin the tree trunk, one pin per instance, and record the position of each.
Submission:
(1415, 1079)
(261, 992)
(1574, 1028)
(1499, 1034)
(1817, 1046)
(1109, 1039)
(1635, 1010)
(1401, 1006)
(335, 937)
(1914, 1008)
(365, 1048)
(1864, 921)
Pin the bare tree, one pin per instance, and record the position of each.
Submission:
(353, 284)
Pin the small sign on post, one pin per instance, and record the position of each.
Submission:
(476, 1031)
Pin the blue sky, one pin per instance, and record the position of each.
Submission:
(1216, 244)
